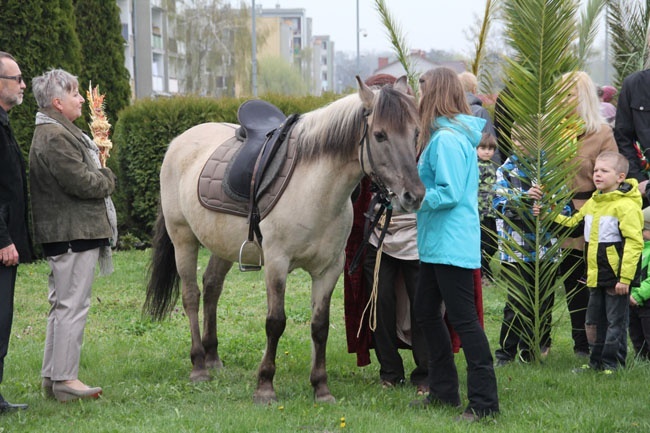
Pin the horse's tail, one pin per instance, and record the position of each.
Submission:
(162, 289)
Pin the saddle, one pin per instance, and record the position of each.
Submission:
(247, 174)
(260, 131)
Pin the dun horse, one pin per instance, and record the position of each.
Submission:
(373, 131)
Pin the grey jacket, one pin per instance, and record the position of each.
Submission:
(67, 188)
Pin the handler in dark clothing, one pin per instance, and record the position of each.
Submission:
(633, 123)
(15, 244)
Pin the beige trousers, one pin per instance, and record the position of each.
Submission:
(69, 285)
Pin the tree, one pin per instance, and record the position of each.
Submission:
(278, 76)
(45, 38)
(218, 47)
(98, 26)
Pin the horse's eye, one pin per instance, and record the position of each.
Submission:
(380, 136)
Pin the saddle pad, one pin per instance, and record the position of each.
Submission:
(210, 187)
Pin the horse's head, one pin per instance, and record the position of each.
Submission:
(388, 149)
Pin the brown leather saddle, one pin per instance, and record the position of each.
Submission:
(247, 174)
(259, 152)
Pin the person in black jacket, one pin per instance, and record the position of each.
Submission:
(632, 124)
(15, 243)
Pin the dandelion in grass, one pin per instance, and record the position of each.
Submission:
(342, 422)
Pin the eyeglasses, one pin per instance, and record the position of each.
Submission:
(17, 78)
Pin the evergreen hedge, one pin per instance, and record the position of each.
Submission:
(143, 133)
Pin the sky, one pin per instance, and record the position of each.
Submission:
(425, 24)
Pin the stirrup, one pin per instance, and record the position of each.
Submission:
(247, 267)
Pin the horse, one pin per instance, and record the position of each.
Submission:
(370, 132)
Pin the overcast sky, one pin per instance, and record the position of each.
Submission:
(426, 24)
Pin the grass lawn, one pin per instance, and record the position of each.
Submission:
(144, 369)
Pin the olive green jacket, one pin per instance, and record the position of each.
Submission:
(67, 188)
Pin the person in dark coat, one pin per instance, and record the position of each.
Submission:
(15, 243)
(632, 126)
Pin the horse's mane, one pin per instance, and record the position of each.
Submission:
(335, 129)
(330, 130)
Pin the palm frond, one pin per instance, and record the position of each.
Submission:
(398, 41)
(627, 24)
(477, 66)
(542, 34)
(588, 29)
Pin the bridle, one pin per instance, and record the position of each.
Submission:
(381, 198)
(364, 142)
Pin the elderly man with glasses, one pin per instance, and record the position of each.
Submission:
(15, 243)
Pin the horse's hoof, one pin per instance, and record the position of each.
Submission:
(200, 376)
(216, 364)
(328, 398)
(264, 399)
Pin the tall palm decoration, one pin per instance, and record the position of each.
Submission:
(628, 22)
(398, 41)
(588, 29)
(542, 36)
(480, 64)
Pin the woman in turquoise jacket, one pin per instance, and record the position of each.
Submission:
(449, 244)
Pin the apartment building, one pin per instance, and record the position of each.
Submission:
(157, 57)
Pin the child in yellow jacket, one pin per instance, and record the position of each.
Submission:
(613, 223)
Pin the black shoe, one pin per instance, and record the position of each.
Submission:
(502, 362)
(471, 416)
(430, 401)
(5, 407)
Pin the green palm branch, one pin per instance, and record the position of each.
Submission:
(588, 29)
(542, 35)
(627, 23)
(398, 41)
(481, 64)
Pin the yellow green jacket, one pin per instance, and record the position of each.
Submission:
(613, 225)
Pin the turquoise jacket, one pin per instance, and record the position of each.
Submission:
(642, 293)
(449, 230)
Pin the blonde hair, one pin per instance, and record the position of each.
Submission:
(588, 105)
(442, 95)
(618, 161)
(468, 81)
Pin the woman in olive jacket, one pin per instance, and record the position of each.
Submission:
(73, 219)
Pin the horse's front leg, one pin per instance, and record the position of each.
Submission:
(191, 296)
(321, 296)
(276, 322)
(213, 279)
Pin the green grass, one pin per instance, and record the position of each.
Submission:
(144, 370)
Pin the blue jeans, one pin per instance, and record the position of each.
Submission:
(606, 324)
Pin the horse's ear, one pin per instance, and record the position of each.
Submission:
(366, 95)
(402, 85)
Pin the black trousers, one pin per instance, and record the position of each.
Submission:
(640, 331)
(7, 284)
(455, 287)
(391, 367)
(577, 295)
